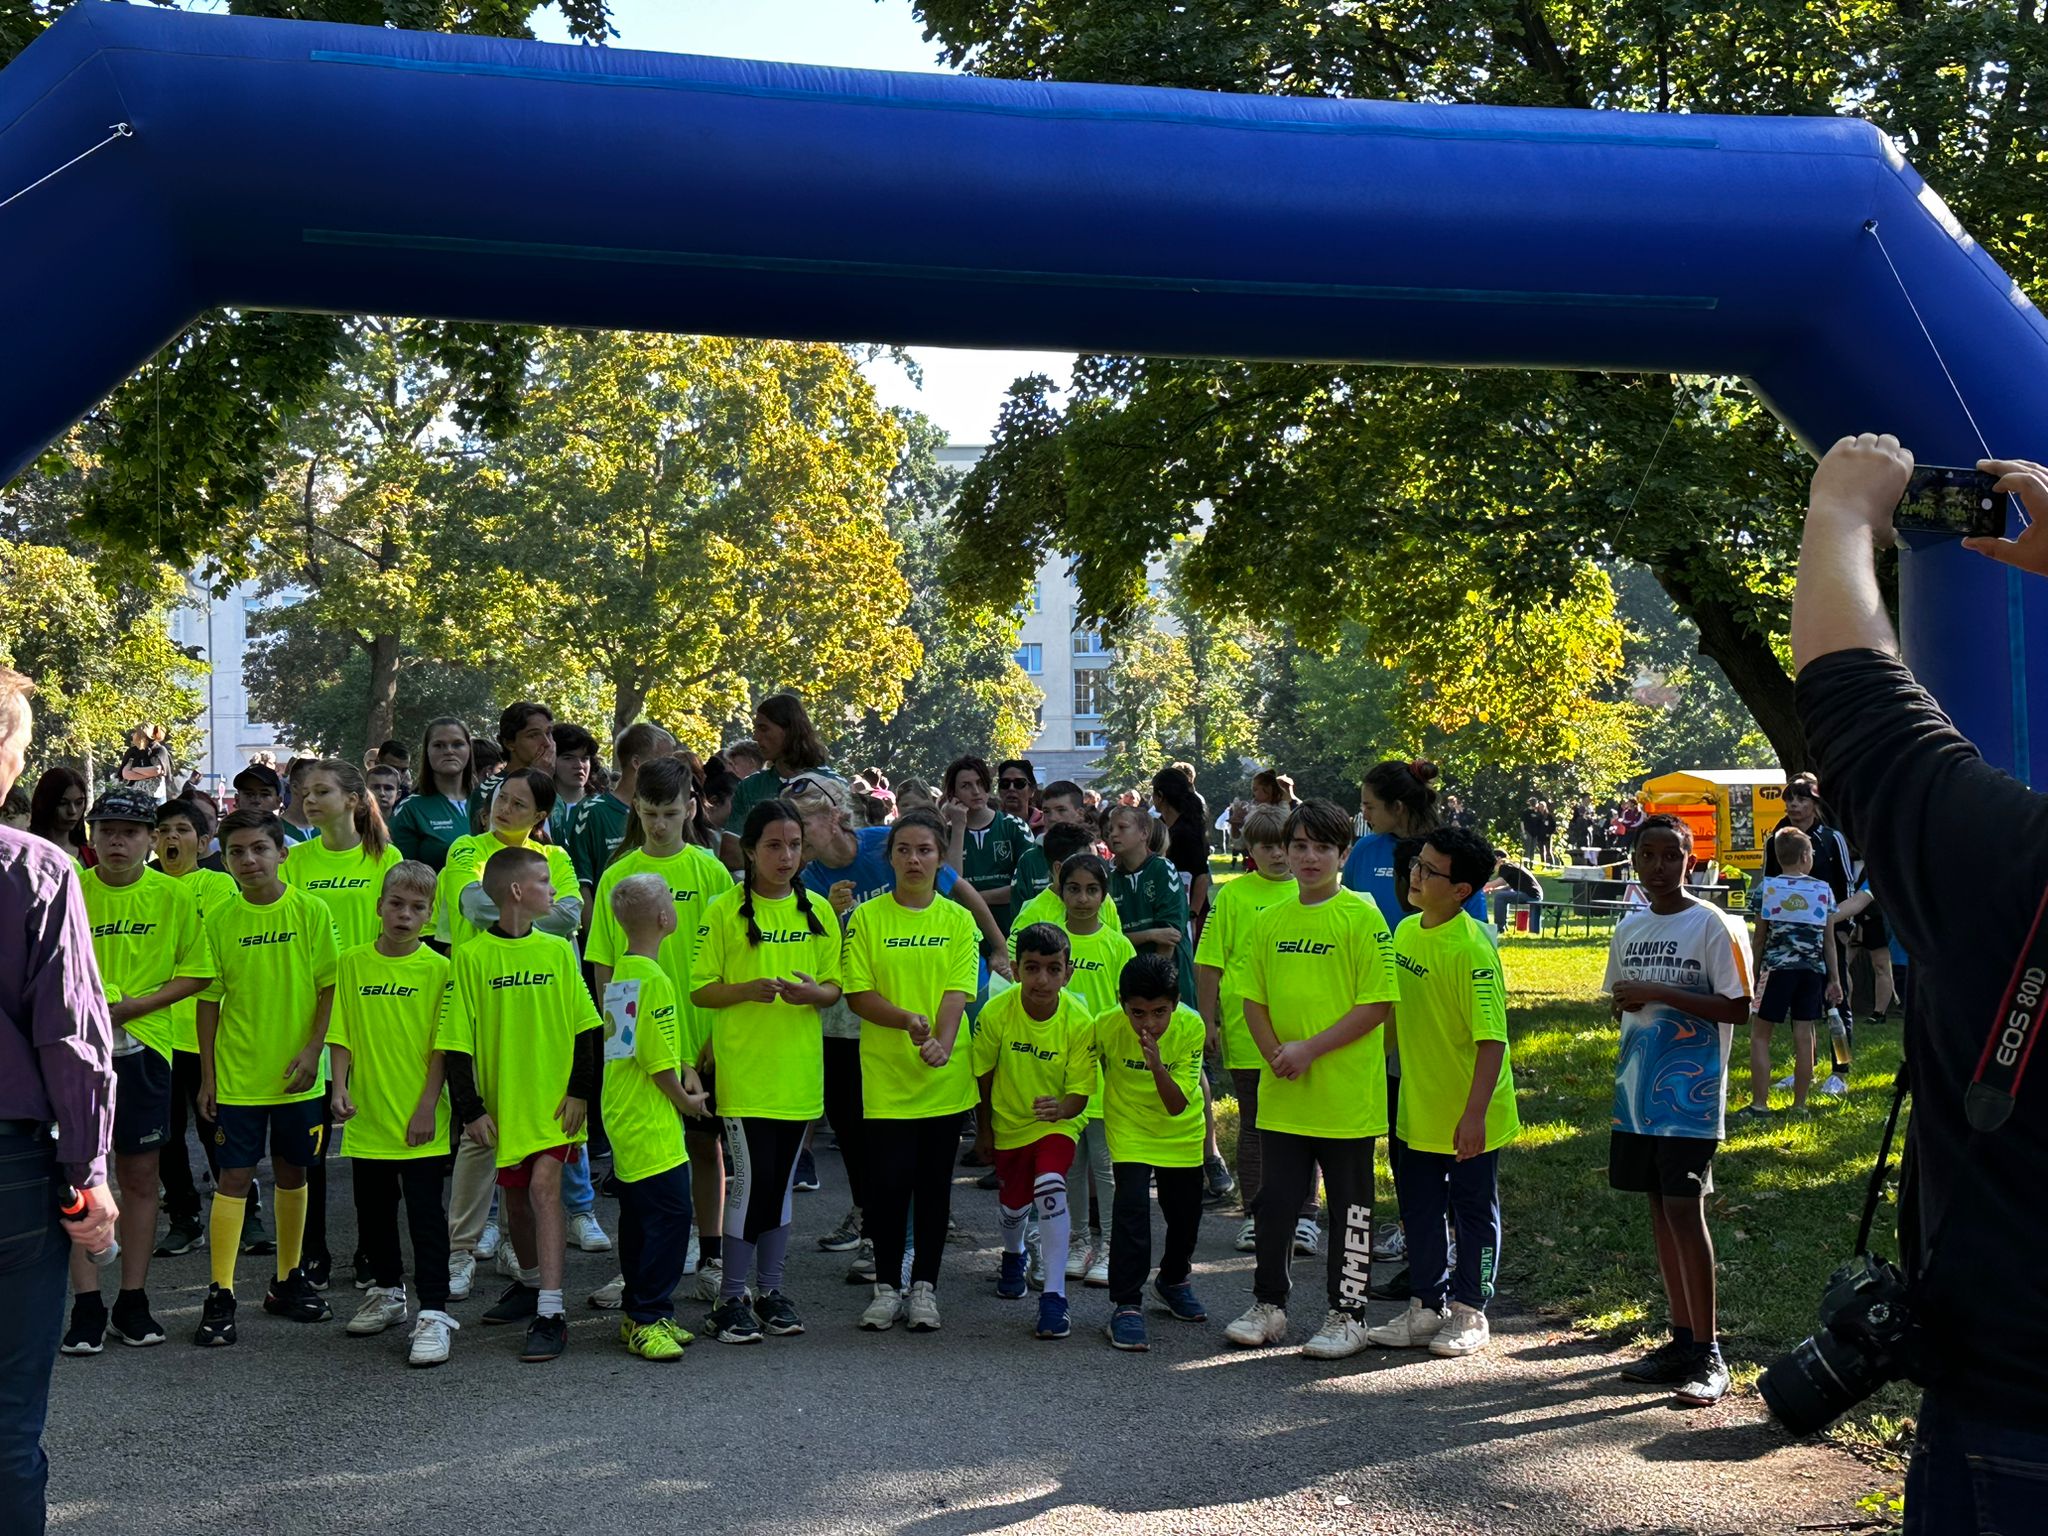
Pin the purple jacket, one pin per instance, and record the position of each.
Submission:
(56, 1042)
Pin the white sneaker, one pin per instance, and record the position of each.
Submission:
(1834, 1087)
(1783, 1082)
(1262, 1324)
(710, 1280)
(382, 1308)
(1248, 1237)
(1413, 1329)
(1098, 1268)
(610, 1296)
(1342, 1334)
(461, 1275)
(921, 1311)
(1465, 1333)
(1078, 1260)
(487, 1245)
(1391, 1245)
(883, 1311)
(1034, 1267)
(430, 1338)
(586, 1234)
(1308, 1238)
(692, 1255)
(506, 1261)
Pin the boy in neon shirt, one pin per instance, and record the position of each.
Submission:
(152, 955)
(524, 1049)
(1034, 1054)
(262, 1026)
(650, 1082)
(1150, 1048)
(388, 1076)
(1457, 1103)
(1318, 985)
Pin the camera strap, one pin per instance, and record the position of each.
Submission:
(1873, 1194)
(1992, 1092)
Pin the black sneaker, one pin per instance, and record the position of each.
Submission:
(186, 1234)
(295, 1298)
(255, 1237)
(732, 1321)
(216, 1318)
(1669, 1362)
(1218, 1185)
(519, 1303)
(546, 1338)
(319, 1271)
(1706, 1380)
(132, 1323)
(1394, 1287)
(777, 1315)
(806, 1172)
(87, 1334)
(365, 1278)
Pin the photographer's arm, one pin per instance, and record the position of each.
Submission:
(1838, 606)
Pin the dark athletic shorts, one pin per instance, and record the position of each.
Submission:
(142, 1101)
(296, 1132)
(1678, 1167)
(1799, 995)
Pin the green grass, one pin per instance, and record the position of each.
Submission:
(1784, 1210)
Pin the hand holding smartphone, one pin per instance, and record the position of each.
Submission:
(1945, 499)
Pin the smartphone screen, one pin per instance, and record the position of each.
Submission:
(1941, 499)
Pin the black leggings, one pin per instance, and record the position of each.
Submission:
(910, 1162)
(380, 1183)
(1347, 1181)
(757, 1191)
(843, 1113)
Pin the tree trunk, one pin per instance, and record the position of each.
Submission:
(383, 695)
(629, 699)
(1752, 668)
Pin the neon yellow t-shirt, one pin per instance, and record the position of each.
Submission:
(1452, 997)
(347, 883)
(1133, 1115)
(770, 1056)
(388, 1013)
(144, 935)
(1046, 907)
(1310, 966)
(695, 878)
(644, 1124)
(913, 958)
(467, 857)
(1098, 959)
(516, 1006)
(205, 889)
(271, 963)
(1033, 1059)
(1226, 945)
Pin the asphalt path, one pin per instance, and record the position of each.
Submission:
(302, 1429)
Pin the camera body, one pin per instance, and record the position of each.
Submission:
(1867, 1336)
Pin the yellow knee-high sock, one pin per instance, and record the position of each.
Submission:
(224, 1237)
(290, 1208)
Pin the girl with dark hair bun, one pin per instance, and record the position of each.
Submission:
(1186, 818)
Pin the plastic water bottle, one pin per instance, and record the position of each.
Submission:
(1838, 1027)
(102, 1257)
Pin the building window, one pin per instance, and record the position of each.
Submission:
(1085, 739)
(1088, 695)
(1089, 640)
(1031, 658)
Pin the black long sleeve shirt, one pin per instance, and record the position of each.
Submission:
(1958, 857)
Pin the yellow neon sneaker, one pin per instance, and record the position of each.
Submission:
(650, 1341)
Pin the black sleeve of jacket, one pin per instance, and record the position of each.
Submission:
(460, 1069)
(587, 1067)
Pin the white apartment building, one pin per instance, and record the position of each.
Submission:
(218, 630)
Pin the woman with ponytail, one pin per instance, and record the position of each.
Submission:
(343, 864)
(767, 963)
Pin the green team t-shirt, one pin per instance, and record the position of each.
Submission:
(347, 883)
(561, 818)
(1226, 945)
(424, 825)
(388, 1013)
(1310, 966)
(1151, 896)
(913, 958)
(467, 857)
(1452, 997)
(1134, 1116)
(765, 784)
(770, 1056)
(988, 858)
(595, 833)
(144, 935)
(645, 1126)
(1033, 1059)
(270, 965)
(516, 1006)
(695, 878)
(205, 889)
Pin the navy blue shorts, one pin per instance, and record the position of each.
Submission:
(142, 1102)
(296, 1133)
(1799, 995)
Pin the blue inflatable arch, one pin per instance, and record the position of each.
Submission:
(290, 165)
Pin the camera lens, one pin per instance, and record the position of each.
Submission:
(1815, 1384)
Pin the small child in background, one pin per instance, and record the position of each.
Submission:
(1791, 910)
(1097, 955)
(1034, 1053)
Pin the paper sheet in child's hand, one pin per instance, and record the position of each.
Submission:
(621, 1019)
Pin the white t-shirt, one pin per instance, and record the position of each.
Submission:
(1671, 1076)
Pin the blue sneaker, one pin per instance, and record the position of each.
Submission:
(1126, 1329)
(1052, 1317)
(1180, 1301)
(1011, 1285)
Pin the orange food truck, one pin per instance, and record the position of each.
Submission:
(1732, 811)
